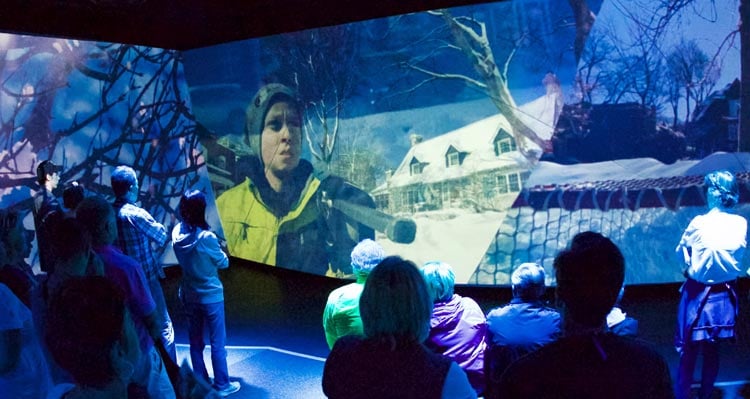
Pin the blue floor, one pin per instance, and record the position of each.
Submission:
(267, 372)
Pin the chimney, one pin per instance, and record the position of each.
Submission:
(415, 139)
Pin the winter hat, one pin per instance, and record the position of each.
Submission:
(258, 108)
(366, 255)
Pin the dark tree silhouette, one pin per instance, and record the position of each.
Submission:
(97, 106)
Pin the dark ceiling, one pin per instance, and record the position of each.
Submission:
(187, 24)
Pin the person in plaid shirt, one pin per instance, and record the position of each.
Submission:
(136, 232)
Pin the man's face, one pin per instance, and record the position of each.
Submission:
(54, 179)
(281, 139)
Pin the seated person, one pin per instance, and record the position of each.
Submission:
(619, 322)
(341, 314)
(390, 361)
(522, 326)
(588, 361)
(457, 325)
(280, 214)
(23, 369)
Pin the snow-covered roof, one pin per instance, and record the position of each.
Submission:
(475, 142)
(629, 183)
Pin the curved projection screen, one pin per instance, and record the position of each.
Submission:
(482, 136)
(487, 136)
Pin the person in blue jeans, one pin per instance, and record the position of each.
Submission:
(198, 251)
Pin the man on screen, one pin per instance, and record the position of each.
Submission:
(46, 211)
(280, 214)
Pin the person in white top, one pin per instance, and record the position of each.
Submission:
(711, 248)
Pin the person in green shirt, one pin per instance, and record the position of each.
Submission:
(341, 315)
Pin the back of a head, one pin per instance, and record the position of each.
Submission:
(73, 194)
(84, 321)
(94, 213)
(589, 277)
(395, 304)
(72, 242)
(440, 280)
(366, 255)
(122, 178)
(527, 282)
(721, 189)
(192, 209)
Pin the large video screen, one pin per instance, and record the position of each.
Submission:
(483, 136)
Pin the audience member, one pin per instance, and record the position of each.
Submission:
(74, 256)
(588, 361)
(91, 335)
(200, 257)
(98, 216)
(46, 210)
(711, 248)
(390, 361)
(520, 327)
(15, 245)
(457, 326)
(341, 314)
(73, 194)
(23, 369)
(619, 322)
(137, 231)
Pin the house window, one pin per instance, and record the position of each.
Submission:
(452, 159)
(504, 143)
(381, 201)
(514, 182)
(502, 184)
(416, 167)
(412, 197)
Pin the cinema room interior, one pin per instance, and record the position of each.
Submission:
(481, 134)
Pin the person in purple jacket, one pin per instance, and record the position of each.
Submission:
(457, 326)
(198, 251)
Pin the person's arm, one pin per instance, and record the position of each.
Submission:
(154, 230)
(213, 250)
(456, 385)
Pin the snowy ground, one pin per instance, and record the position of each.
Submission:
(456, 236)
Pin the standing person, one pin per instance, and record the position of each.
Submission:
(98, 218)
(711, 248)
(137, 232)
(200, 256)
(391, 361)
(341, 315)
(46, 211)
(588, 362)
(280, 215)
(457, 326)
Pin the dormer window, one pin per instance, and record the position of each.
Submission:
(504, 143)
(452, 157)
(416, 167)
